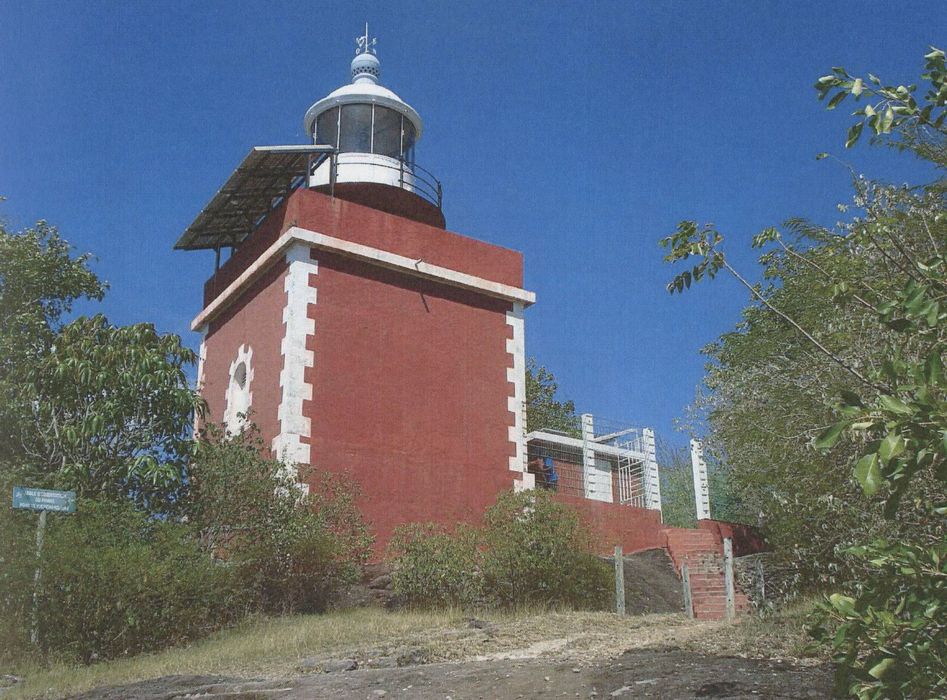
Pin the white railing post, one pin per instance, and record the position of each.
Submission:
(652, 478)
(701, 484)
(588, 455)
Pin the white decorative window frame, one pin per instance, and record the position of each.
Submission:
(233, 408)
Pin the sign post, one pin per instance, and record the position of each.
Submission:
(43, 500)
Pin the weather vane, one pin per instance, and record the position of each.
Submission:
(364, 44)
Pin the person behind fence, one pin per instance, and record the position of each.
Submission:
(549, 474)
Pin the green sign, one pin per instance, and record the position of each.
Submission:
(44, 499)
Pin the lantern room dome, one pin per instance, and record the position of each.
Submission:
(373, 132)
(362, 93)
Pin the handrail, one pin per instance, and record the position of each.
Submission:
(429, 190)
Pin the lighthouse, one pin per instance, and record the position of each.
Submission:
(360, 335)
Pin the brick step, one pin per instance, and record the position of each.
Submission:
(709, 543)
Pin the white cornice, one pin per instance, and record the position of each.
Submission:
(357, 251)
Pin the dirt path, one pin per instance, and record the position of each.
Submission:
(554, 656)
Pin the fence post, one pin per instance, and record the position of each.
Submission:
(619, 580)
(686, 585)
(37, 578)
(728, 577)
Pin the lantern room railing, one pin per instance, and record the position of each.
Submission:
(411, 176)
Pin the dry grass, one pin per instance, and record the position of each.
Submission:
(777, 634)
(260, 648)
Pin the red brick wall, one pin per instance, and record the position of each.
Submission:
(746, 539)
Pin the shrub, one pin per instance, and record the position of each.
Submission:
(290, 550)
(115, 582)
(17, 564)
(538, 552)
(530, 550)
(436, 568)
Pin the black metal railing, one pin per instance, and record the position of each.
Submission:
(411, 176)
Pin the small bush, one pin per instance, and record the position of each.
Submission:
(118, 581)
(114, 582)
(290, 550)
(17, 564)
(538, 552)
(436, 568)
(530, 550)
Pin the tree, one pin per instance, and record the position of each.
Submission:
(543, 410)
(846, 339)
(39, 283)
(86, 405)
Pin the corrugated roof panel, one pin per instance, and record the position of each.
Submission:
(264, 178)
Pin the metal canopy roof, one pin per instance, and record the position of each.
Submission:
(264, 178)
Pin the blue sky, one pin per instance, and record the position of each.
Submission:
(577, 133)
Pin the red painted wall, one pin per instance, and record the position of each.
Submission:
(409, 378)
(635, 529)
(409, 393)
(255, 319)
(360, 224)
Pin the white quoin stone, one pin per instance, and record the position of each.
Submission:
(292, 443)
(516, 403)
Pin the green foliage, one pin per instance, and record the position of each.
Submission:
(530, 551)
(891, 109)
(115, 582)
(39, 283)
(543, 410)
(848, 333)
(537, 552)
(107, 411)
(435, 568)
(889, 637)
(85, 405)
(678, 507)
(292, 551)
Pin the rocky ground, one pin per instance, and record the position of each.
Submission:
(654, 656)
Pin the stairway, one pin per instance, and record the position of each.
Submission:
(702, 551)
